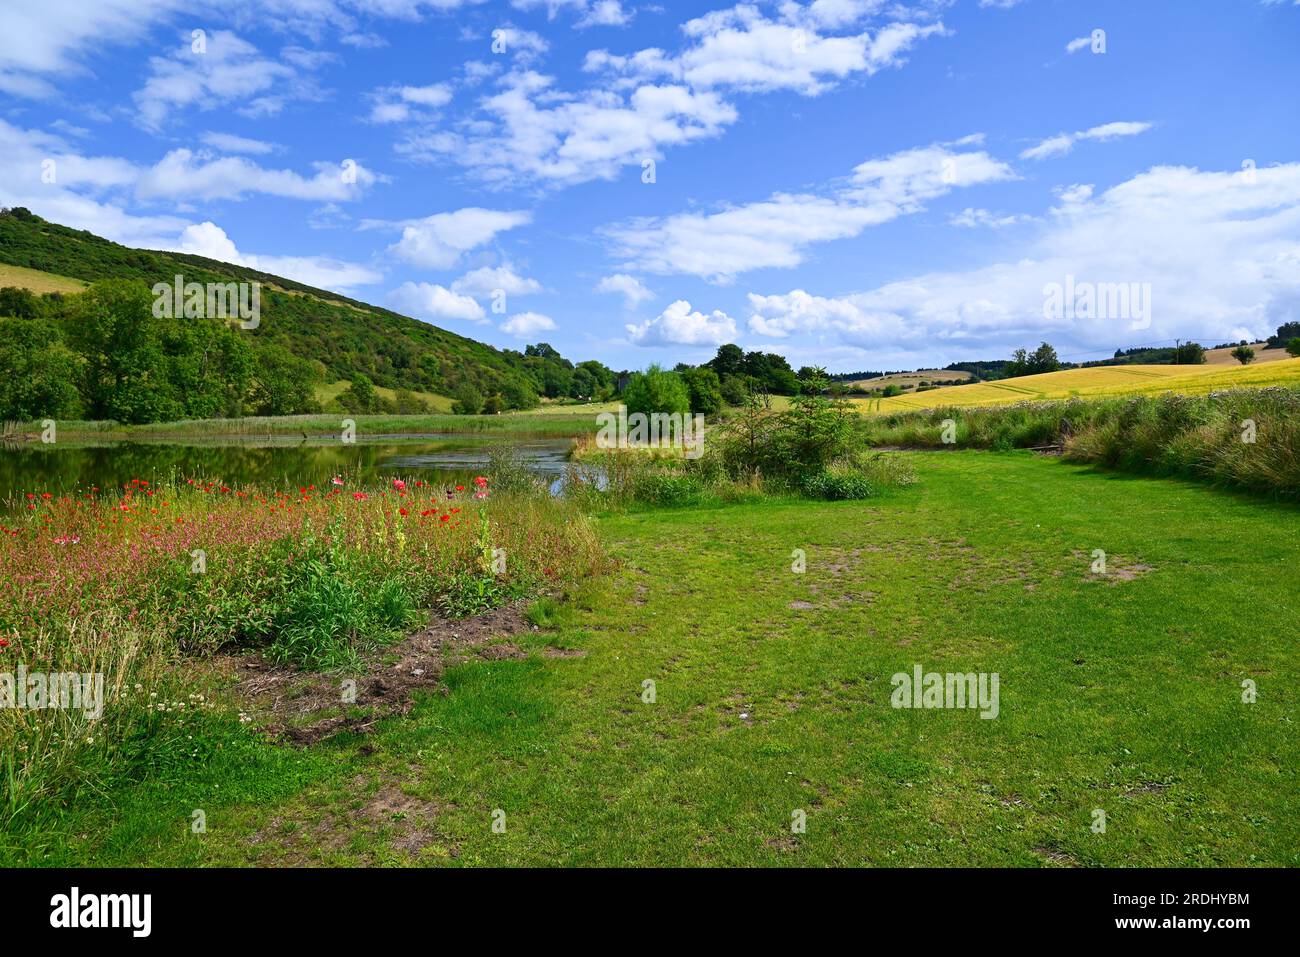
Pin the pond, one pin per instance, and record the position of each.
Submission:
(273, 463)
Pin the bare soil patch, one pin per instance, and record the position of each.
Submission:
(303, 708)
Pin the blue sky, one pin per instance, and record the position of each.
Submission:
(859, 184)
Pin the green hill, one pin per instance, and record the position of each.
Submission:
(340, 337)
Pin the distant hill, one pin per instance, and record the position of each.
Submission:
(342, 337)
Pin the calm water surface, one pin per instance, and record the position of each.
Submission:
(274, 463)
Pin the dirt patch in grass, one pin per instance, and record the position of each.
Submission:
(1118, 568)
(304, 708)
(1056, 857)
(387, 817)
(550, 651)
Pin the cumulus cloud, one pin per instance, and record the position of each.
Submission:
(778, 231)
(437, 241)
(742, 49)
(527, 324)
(633, 290)
(397, 104)
(227, 70)
(530, 130)
(1062, 143)
(184, 174)
(650, 101)
(430, 301)
(489, 280)
(680, 325)
(1219, 250)
(210, 240)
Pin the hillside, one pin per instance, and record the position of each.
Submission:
(1097, 382)
(342, 337)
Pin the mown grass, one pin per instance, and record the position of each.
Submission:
(1120, 693)
(1099, 382)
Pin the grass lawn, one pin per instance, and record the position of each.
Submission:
(773, 695)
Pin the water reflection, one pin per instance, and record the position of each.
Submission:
(275, 462)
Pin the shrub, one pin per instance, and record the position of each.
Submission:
(656, 391)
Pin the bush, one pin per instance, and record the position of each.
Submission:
(704, 389)
(657, 391)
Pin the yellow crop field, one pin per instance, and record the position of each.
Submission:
(1094, 383)
(37, 281)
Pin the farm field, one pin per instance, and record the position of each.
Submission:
(772, 696)
(1094, 383)
(37, 281)
(329, 391)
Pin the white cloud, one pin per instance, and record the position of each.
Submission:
(1062, 143)
(55, 37)
(1077, 44)
(526, 324)
(609, 13)
(971, 217)
(230, 143)
(649, 101)
(437, 241)
(778, 231)
(398, 104)
(679, 325)
(742, 49)
(633, 290)
(182, 174)
(1221, 255)
(230, 70)
(605, 13)
(489, 280)
(523, 45)
(430, 301)
(531, 131)
(210, 240)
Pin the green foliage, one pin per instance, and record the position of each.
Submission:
(19, 303)
(1189, 354)
(37, 372)
(657, 391)
(1293, 347)
(704, 389)
(1244, 354)
(1043, 359)
(469, 401)
(766, 371)
(343, 337)
(508, 472)
(735, 390)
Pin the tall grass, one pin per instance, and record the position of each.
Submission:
(1244, 438)
(547, 425)
(130, 585)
